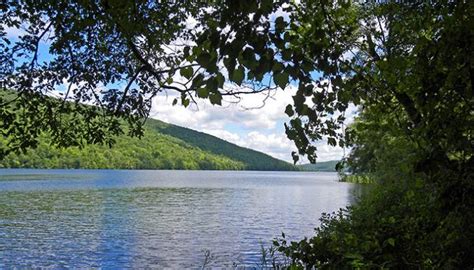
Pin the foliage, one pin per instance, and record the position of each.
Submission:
(391, 55)
(401, 228)
(408, 57)
(93, 47)
(155, 150)
(252, 159)
(115, 55)
(357, 178)
(381, 151)
(411, 76)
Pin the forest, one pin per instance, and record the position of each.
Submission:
(163, 146)
(323, 166)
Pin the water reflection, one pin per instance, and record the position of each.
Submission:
(141, 219)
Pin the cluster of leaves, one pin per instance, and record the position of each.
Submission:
(405, 220)
(391, 55)
(117, 56)
(381, 150)
(281, 51)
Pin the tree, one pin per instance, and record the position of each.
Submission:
(112, 58)
(413, 58)
(409, 68)
(407, 65)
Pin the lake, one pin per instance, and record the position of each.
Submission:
(145, 218)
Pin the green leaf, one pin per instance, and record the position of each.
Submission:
(215, 98)
(229, 63)
(203, 92)
(220, 79)
(391, 242)
(238, 75)
(198, 81)
(185, 102)
(280, 24)
(187, 72)
(286, 54)
(298, 100)
(277, 67)
(289, 110)
(295, 157)
(186, 51)
(204, 59)
(212, 84)
(281, 79)
(248, 58)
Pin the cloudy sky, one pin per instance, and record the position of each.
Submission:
(242, 123)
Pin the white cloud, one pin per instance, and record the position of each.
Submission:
(259, 129)
(14, 32)
(274, 144)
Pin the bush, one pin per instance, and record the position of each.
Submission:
(390, 228)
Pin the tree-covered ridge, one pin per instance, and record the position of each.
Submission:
(325, 166)
(162, 147)
(252, 159)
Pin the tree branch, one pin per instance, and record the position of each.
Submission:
(36, 45)
(125, 92)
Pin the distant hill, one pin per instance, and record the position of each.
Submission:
(326, 166)
(252, 159)
(164, 146)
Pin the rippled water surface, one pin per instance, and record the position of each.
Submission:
(122, 219)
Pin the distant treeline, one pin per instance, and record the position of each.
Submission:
(164, 146)
(325, 166)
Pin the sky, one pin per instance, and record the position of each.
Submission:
(256, 122)
(261, 129)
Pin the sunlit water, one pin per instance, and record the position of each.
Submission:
(140, 219)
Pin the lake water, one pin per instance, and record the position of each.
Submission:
(121, 219)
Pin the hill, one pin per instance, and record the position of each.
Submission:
(164, 146)
(326, 166)
(253, 160)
